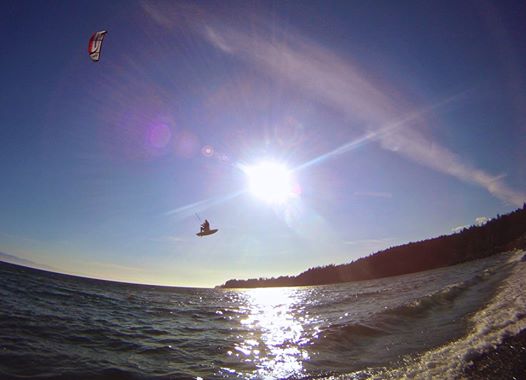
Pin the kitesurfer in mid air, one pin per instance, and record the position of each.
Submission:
(205, 227)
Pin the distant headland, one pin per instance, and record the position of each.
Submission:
(501, 233)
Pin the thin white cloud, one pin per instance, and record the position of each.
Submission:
(196, 207)
(339, 83)
(373, 194)
(115, 266)
(25, 262)
(479, 221)
(367, 246)
(218, 41)
(459, 229)
(368, 241)
(168, 239)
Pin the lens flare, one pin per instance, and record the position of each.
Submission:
(207, 151)
(270, 181)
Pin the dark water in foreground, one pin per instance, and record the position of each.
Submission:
(56, 326)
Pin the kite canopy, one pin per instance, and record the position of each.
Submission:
(95, 44)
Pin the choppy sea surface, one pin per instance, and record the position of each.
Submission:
(422, 325)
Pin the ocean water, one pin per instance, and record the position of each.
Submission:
(422, 325)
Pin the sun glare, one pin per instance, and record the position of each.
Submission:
(270, 181)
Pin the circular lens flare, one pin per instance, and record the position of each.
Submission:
(207, 151)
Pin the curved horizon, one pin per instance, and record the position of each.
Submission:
(394, 122)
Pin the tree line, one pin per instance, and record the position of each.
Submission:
(497, 235)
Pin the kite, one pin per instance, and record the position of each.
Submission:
(95, 44)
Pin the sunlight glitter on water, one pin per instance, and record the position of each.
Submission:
(277, 339)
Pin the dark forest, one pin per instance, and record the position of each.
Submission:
(499, 234)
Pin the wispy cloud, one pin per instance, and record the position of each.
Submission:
(168, 239)
(196, 207)
(218, 41)
(368, 241)
(338, 82)
(369, 245)
(21, 261)
(372, 194)
(459, 229)
(119, 267)
(479, 221)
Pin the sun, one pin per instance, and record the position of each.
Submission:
(270, 181)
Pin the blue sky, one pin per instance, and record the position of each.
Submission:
(397, 121)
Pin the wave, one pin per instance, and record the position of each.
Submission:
(404, 319)
(111, 373)
(501, 317)
(426, 304)
(352, 332)
(338, 300)
(80, 331)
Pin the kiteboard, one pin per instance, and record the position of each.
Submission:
(209, 232)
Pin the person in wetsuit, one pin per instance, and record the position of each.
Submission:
(205, 226)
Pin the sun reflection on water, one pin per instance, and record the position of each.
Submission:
(276, 342)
